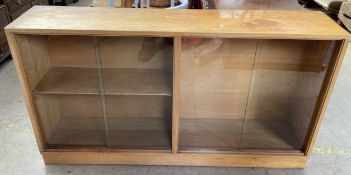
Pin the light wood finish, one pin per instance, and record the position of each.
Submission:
(176, 91)
(210, 23)
(28, 97)
(185, 159)
(232, 55)
(323, 100)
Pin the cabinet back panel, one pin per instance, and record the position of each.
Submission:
(72, 51)
(129, 52)
(138, 106)
(215, 77)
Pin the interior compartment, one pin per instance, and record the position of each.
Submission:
(62, 74)
(139, 122)
(137, 75)
(249, 95)
(71, 120)
(116, 92)
(60, 64)
(215, 79)
(287, 80)
(101, 91)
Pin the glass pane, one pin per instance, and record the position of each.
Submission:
(71, 120)
(286, 83)
(63, 76)
(247, 95)
(137, 78)
(215, 79)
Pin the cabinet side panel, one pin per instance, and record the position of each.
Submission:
(17, 57)
(327, 88)
(303, 104)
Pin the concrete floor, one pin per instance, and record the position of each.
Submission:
(19, 153)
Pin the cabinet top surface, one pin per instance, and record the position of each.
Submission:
(157, 22)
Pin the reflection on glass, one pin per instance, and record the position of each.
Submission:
(215, 79)
(242, 95)
(286, 83)
(137, 78)
(63, 76)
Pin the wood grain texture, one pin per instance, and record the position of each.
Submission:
(177, 45)
(186, 159)
(240, 24)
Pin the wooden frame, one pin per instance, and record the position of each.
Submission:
(275, 25)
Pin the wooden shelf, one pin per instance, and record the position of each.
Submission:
(117, 81)
(125, 81)
(238, 24)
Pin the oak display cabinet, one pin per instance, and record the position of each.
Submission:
(218, 88)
